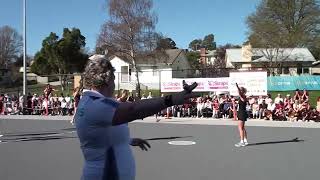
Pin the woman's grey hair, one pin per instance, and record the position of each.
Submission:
(98, 72)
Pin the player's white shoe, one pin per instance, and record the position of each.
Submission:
(240, 144)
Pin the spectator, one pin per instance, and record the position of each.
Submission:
(2, 104)
(278, 99)
(263, 107)
(143, 97)
(318, 104)
(149, 96)
(268, 99)
(297, 95)
(305, 95)
(64, 107)
(215, 112)
(292, 115)
(314, 115)
(124, 96)
(200, 106)
(136, 97)
(260, 99)
(255, 110)
(48, 91)
(130, 98)
(207, 108)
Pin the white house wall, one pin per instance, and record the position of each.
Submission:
(152, 80)
(117, 63)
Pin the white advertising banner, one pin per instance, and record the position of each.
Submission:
(204, 84)
(254, 82)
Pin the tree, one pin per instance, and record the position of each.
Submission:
(193, 58)
(208, 42)
(284, 24)
(10, 45)
(61, 56)
(195, 44)
(166, 43)
(130, 30)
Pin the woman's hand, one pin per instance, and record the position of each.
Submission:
(143, 144)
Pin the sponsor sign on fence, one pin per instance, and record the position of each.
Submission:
(204, 84)
(254, 82)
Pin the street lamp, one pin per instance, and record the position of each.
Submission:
(24, 48)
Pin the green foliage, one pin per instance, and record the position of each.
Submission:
(195, 44)
(208, 42)
(61, 56)
(166, 43)
(193, 58)
(285, 23)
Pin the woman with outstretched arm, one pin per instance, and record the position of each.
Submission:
(101, 122)
(242, 116)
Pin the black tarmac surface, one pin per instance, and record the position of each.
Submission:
(49, 150)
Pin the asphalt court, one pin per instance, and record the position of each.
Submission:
(41, 149)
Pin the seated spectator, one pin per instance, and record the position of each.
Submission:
(143, 97)
(288, 102)
(64, 107)
(268, 99)
(263, 109)
(215, 108)
(305, 95)
(297, 96)
(278, 99)
(314, 115)
(279, 113)
(2, 104)
(260, 99)
(304, 110)
(318, 104)
(255, 110)
(200, 106)
(124, 96)
(292, 115)
(252, 100)
(207, 108)
(249, 109)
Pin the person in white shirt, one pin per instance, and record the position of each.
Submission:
(64, 107)
(200, 106)
(260, 100)
(278, 99)
(143, 97)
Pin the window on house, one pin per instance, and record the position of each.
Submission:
(286, 70)
(124, 73)
(305, 71)
(299, 69)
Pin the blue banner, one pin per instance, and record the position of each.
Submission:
(290, 83)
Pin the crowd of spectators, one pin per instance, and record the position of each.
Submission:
(290, 108)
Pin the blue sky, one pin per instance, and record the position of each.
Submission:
(181, 20)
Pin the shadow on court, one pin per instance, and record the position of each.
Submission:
(277, 142)
(167, 138)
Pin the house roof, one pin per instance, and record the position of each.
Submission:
(160, 57)
(284, 54)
